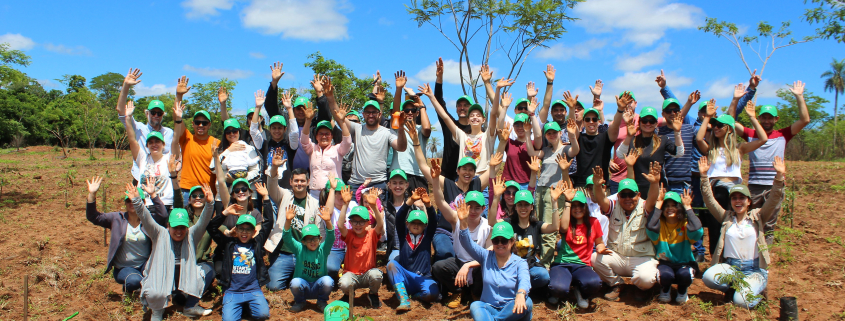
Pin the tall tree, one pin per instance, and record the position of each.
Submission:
(74, 83)
(831, 15)
(107, 86)
(204, 97)
(349, 89)
(835, 81)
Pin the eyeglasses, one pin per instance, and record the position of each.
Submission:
(201, 122)
(242, 189)
(354, 120)
(198, 196)
(591, 119)
(627, 195)
(371, 112)
(310, 239)
(648, 121)
(157, 113)
(246, 230)
(671, 110)
(359, 223)
(500, 240)
(324, 133)
(509, 192)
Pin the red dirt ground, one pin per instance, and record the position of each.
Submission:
(47, 238)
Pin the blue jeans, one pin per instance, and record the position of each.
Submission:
(303, 290)
(443, 247)
(756, 277)
(191, 301)
(233, 306)
(333, 263)
(680, 274)
(186, 196)
(129, 277)
(420, 287)
(486, 194)
(393, 255)
(280, 271)
(481, 311)
(563, 275)
(539, 278)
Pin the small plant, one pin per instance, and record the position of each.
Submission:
(567, 312)
(729, 311)
(706, 307)
(835, 240)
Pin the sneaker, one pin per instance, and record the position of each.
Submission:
(699, 258)
(157, 315)
(665, 297)
(196, 312)
(613, 295)
(374, 300)
(297, 307)
(454, 300)
(552, 300)
(642, 295)
(580, 300)
(681, 298)
(321, 305)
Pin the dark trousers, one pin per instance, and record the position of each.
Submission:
(564, 275)
(445, 272)
(680, 274)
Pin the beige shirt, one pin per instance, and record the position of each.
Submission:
(627, 236)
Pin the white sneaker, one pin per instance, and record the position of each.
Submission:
(196, 312)
(665, 297)
(582, 303)
(681, 298)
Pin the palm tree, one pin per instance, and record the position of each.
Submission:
(835, 82)
(433, 143)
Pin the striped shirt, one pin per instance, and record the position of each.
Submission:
(677, 169)
(761, 171)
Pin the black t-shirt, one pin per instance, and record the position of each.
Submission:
(594, 151)
(643, 164)
(451, 191)
(244, 275)
(451, 150)
(535, 238)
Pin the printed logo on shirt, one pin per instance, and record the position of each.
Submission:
(311, 268)
(473, 148)
(154, 172)
(242, 261)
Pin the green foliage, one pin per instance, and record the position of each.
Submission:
(830, 14)
(204, 97)
(74, 83)
(349, 89)
(107, 86)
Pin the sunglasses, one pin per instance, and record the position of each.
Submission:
(201, 122)
(627, 195)
(157, 113)
(310, 239)
(231, 131)
(591, 119)
(500, 240)
(246, 230)
(354, 121)
(198, 196)
(717, 125)
(509, 193)
(648, 121)
(671, 110)
(410, 110)
(522, 108)
(242, 189)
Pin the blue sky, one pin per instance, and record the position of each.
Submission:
(623, 42)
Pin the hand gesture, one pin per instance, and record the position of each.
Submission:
(286, 99)
(628, 115)
(739, 91)
(415, 195)
(535, 164)
(435, 169)
(531, 90)
(496, 159)
(148, 186)
(174, 165)
(131, 78)
(462, 209)
(367, 181)
(178, 110)
(557, 191)
(694, 97)
(507, 99)
(130, 108)
(401, 80)
(377, 77)
(278, 161)
(209, 195)
(499, 186)
(332, 181)
(425, 89)
(346, 194)
(261, 189)
(340, 111)
(797, 88)
(519, 304)
(317, 84)
(259, 99)
(131, 191)
(597, 89)
(504, 133)
(661, 193)
(550, 73)
(563, 163)
(411, 129)
(532, 105)
(675, 122)
(779, 165)
(653, 175)
(504, 83)
(571, 126)
(630, 126)
(276, 72)
(290, 212)
(380, 92)
(686, 198)
(222, 95)
(182, 86)
(94, 184)
(424, 197)
(372, 197)
(711, 108)
(632, 157)
(310, 111)
(569, 191)
(750, 109)
(661, 80)
(326, 213)
(233, 209)
(598, 176)
(755, 80)
(613, 167)
(326, 82)
(624, 101)
(486, 73)
(703, 165)
(570, 101)
(439, 68)
(461, 277)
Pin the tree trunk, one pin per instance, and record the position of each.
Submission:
(835, 114)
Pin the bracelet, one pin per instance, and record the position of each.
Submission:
(172, 177)
(177, 121)
(549, 83)
(415, 144)
(620, 111)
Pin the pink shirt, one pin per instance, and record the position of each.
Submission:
(324, 161)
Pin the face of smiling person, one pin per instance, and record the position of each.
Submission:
(371, 116)
(739, 202)
(397, 186)
(462, 107)
(155, 146)
(324, 137)
(178, 233)
(277, 132)
(648, 124)
(416, 227)
(591, 123)
(466, 173)
(559, 113)
(232, 135)
(241, 192)
(154, 117)
(476, 118)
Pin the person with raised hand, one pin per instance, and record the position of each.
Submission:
(306, 211)
(416, 114)
(398, 190)
(451, 152)
(651, 146)
(196, 147)
(339, 202)
(410, 271)
(672, 232)
(152, 161)
(519, 150)
(129, 245)
(506, 281)
(310, 281)
(326, 157)
(362, 242)
(595, 146)
(742, 247)
(743, 94)
(632, 252)
(572, 265)
(243, 271)
(282, 136)
(174, 249)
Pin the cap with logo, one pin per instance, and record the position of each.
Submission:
(552, 125)
(580, 197)
(476, 107)
(373, 104)
(520, 118)
(591, 110)
(417, 215)
(522, 100)
(768, 109)
(300, 102)
(523, 196)
(231, 123)
(340, 184)
(239, 181)
(310, 230)
(178, 217)
(669, 101)
(558, 102)
(250, 110)
(361, 212)
(672, 196)
(628, 184)
(202, 113)
(467, 98)
(324, 124)
(648, 111)
(502, 229)
(402, 108)
(278, 119)
(630, 93)
(702, 105)
(155, 103)
(467, 160)
(399, 172)
(726, 119)
(589, 180)
(246, 218)
(513, 184)
(154, 134)
(739, 188)
(477, 197)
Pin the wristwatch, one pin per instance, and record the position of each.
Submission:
(177, 121)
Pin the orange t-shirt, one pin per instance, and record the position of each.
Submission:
(196, 160)
(360, 252)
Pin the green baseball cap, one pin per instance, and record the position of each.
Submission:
(231, 122)
(629, 92)
(278, 119)
(325, 124)
(502, 229)
(361, 212)
(672, 196)
(467, 98)
(739, 188)
(300, 102)
(402, 108)
(769, 109)
(552, 125)
(726, 119)
(520, 118)
(580, 197)
(467, 160)
(417, 215)
(250, 110)
(202, 113)
(524, 196)
(310, 230)
(238, 181)
(340, 184)
(154, 134)
(578, 102)
(591, 110)
(399, 172)
(648, 111)
(513, 184)
(140, 194)
(477, 197)
(559, 102)
(521, 100)
(476, 107)
(702, 105)
(372, 103)
(628, 184)
(155, 103)
(352, 112)
(246, 218)
(669, 101)
(194, 189)
(589, 180)
(178, 217)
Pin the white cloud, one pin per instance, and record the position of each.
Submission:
(48, 83)
(643, 86)
(384, 21)
(561, 51)
(257, 55)
(723, 89)
(205, 8)
(17, 41)
(451, 72)
(219, 72)
(62, 49)
(645, 59)
(315, 20)
(142, 90)
(643, 21)
(768, 89)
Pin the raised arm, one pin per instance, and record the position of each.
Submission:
(762, 137)
(91, 212)
(222, 190)
(598, 190)
(134, 145)
(401, 80)
(739, 91)
(476, 251)
(775, 199)
(552, 227)
(574, 147)
(547, 96)
(372, 198)
(707, 192)
(569, 192)
(150, 226)
(487, 78)
(691, 100)
(653, 178)
(222, 97)
(803, 115)
(498, 189)
(535, 126)
(129, 81)
(178, 126)
(702, 131)
(621, 103)
(273, 189)
(749, 93)
(439, 200)
(491, 128)
(444, 116)
(255, 123)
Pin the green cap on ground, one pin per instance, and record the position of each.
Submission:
(558, 102)
(521, 100)
(373, 104)
(340, 184)
(669, 101)
(726, 119)
(336, 311)
(178, 217)
(552, 125)
(155, 103)
(202, 113)
(580, 197)
(417, 215)
(739, 188)
(589, 180)
(154, 134)
(476, 107)
(502, 229)
(402, 108)
(467, 98)
(467, 160)
(310, 230)
(592, 110)
(520, 118)
(246, 218)
(477, 197)
(361, 212)
(399, 172)
(702, 105)
(648, 111)
(240, 181)
(278, 119)
(513, 184)
(250, 110)
(672, 196)
(629, 92)
(324, 124)
(628, 184)
(193, 189)
(231, 123)
(300, 102)
(769, 109)
(524, 196)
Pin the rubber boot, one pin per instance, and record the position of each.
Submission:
(402, 293)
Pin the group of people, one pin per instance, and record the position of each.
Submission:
(518, 207)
